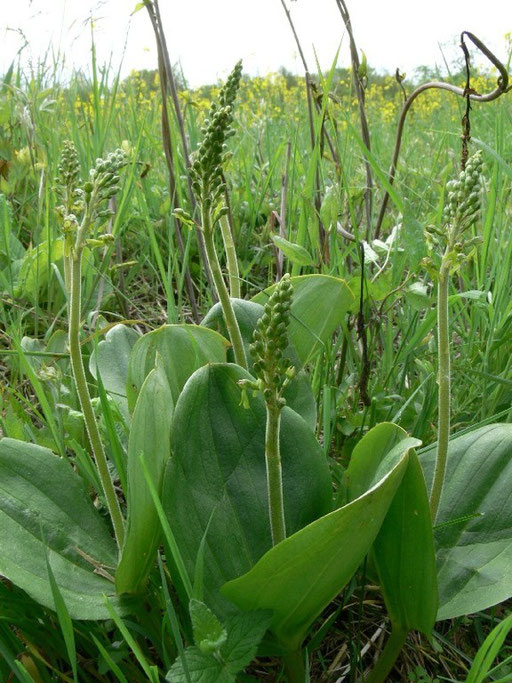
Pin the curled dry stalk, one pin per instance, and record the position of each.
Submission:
(208, 184)
(88, 201)
(501, 88)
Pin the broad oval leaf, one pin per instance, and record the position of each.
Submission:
(300, 576)
(319, 304)
(149, 437)
(45, 512)
(216, 481)
(474, 524)
(183, 349)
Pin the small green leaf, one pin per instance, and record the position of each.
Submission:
(209, 634)
(330, 207)
(202, 668)
(110, 359)
(244, 633)
(296, 253)
(417, 296)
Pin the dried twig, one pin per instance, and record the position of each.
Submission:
(365, 130)
(501, 88)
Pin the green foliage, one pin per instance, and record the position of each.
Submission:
(300, 576)
(137, 266)
(47, 516)
(150, 439)
(473, 538)
(237, 645)
(215, 485)
(319, 305)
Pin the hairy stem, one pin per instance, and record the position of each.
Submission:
(388, 657)
(444, 386)
(84, 396)
(274, 474)
(231, 259)
(223, 294)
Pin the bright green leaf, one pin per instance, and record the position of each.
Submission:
(150, 437)
(45, 510)
(300, 576)
(183, 349)
(294, 252)
(217, 478)
(209, 633)
(474, 524)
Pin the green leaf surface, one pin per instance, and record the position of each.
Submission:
(110, 359)
(209, 633)
(183, 349)
(244, 633)
(404, 548)
(45, 512)
(405, 557)
(202, 668)
(319, 304)
(300, 576)
(295, 252)
(217, 477)
(474, 523)
(298, 394)
(150, 437)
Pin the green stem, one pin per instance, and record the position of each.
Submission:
(274, 474)
(444, 386)
(227, 307)
(85, 399)
(294, 666)
(388, 656)
(231, 259)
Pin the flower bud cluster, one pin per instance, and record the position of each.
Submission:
(206, 170)
(68, 177)
(229, 90)
(463, 195)
(104, 177)
(69, 166)
(270, 339)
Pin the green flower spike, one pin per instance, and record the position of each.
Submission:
(461, 212)
(270, 339)
(273, 374)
